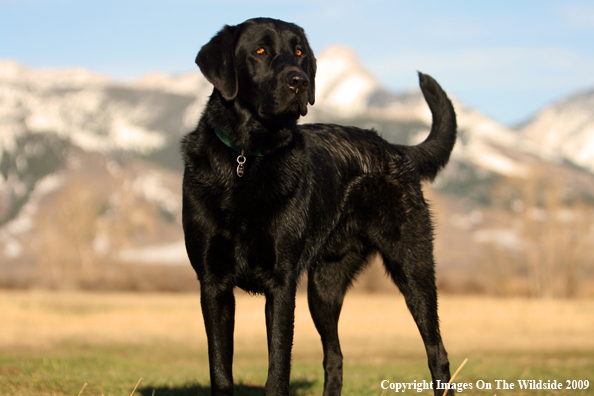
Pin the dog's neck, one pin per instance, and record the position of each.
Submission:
(256, 151)
(241, 130)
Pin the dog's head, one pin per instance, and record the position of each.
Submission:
(264, 64)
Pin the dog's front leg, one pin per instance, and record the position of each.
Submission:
(280, 319)
(218, 308)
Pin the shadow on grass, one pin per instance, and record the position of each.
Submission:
(297, 388)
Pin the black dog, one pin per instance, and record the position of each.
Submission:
(265, 200)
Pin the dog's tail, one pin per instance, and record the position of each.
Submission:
(433, 154)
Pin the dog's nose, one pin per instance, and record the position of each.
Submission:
(297, 82)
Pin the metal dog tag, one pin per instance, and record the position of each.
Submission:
(240, 162)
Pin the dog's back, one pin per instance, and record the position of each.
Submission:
(355, 151)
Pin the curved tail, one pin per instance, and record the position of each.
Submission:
(430, 156)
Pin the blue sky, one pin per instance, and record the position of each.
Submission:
(505, 58)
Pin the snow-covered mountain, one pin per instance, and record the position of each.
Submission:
(146, 115)
(342, 84)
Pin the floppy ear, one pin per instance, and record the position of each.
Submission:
(216, 61)
(310, 69)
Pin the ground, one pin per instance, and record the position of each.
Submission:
(55, 343)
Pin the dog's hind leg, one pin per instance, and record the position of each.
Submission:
(326, 286)
(415, 277)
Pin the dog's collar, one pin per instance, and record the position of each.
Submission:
(227, 140)
(241, 157)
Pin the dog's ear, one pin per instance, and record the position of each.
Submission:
(310, 69)
(216, 61)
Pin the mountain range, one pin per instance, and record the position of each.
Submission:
(90, 170)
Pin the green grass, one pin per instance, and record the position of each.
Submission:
(176, 370)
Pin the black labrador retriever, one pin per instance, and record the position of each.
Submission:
(265, 200)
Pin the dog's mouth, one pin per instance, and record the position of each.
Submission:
(292, 111)
(298, 106)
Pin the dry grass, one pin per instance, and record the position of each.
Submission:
(371, 327)
(55, 343)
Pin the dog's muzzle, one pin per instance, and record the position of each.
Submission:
(298, 82)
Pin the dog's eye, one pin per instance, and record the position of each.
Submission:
(298, 52)
(260, 51)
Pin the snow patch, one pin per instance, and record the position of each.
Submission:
(168, 254)
(564, 131)
(507, 238)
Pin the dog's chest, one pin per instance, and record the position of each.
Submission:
(256, 257)
(258, 240)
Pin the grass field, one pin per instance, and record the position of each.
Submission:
(55, 343)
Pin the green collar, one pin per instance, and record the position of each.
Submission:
(227, 140)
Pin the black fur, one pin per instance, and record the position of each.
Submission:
(319, 199)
